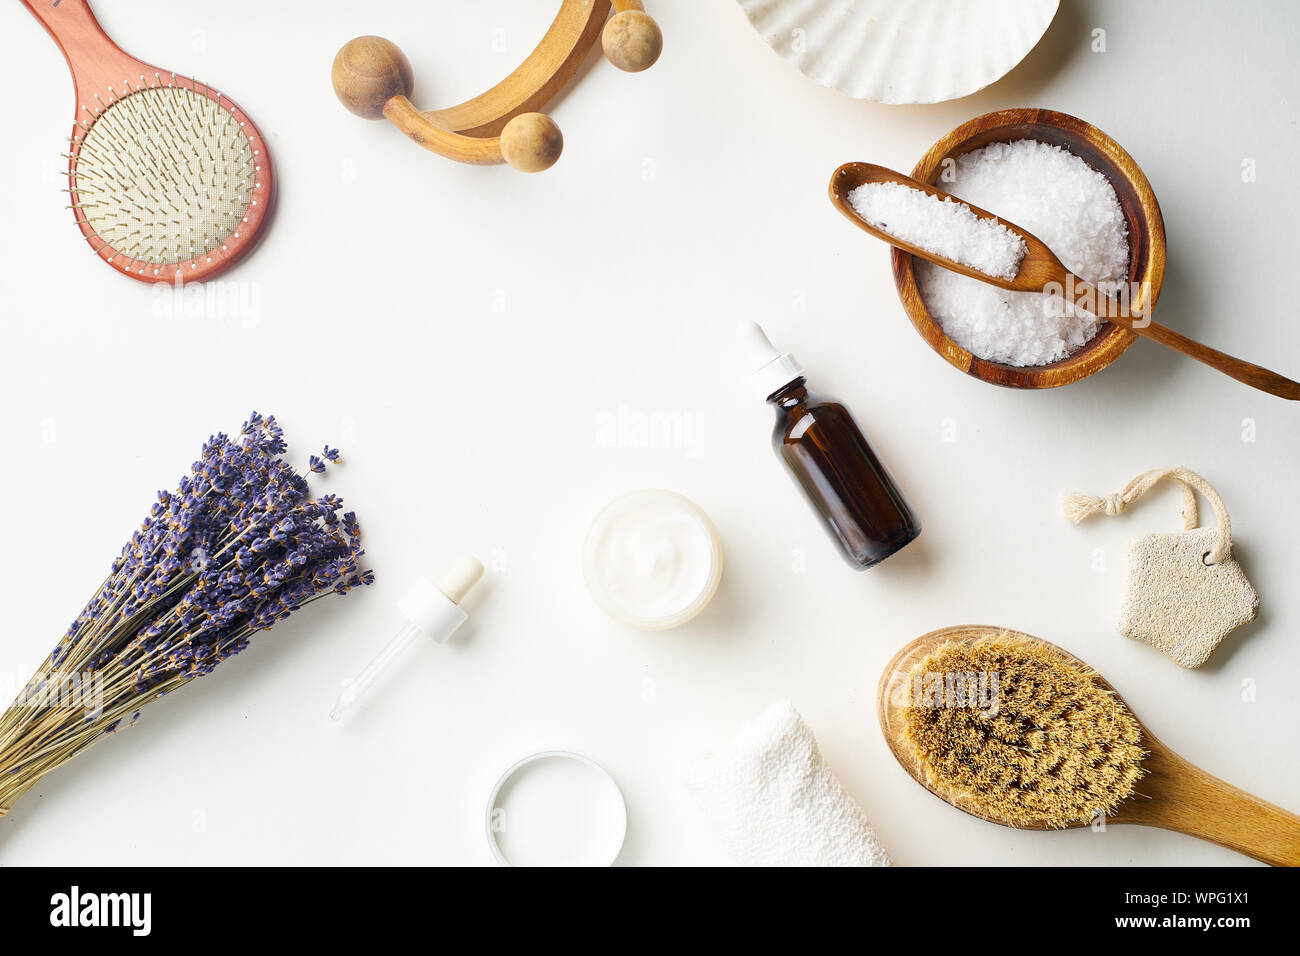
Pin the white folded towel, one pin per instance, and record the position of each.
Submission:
(774, 802)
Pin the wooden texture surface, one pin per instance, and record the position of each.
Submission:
(539, 77)
(371, 77)
(1173, 794)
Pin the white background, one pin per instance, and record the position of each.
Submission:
(467, 334)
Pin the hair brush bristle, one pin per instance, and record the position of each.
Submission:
(163, 175)
(1060, 748)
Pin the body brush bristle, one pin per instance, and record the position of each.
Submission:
(1054, 748)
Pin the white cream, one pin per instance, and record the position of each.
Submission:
(653, 559)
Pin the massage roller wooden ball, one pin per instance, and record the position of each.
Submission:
(372, 78)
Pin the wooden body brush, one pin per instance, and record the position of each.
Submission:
(169, 179)
(372, 78)
(1053, 746)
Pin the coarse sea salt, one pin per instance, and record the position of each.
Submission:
(1063, 201)
(944, 227)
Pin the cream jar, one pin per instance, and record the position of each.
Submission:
(556, 808)
(652, 559)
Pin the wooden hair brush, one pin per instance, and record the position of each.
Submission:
(169, 179)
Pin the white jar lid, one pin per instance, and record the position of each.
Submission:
(652, 559)
(556, 808)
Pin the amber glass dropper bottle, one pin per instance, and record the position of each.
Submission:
(834, 464)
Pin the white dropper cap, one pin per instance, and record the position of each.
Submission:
(433, 610)
(772, 368)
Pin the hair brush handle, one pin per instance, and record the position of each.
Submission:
(96, 62)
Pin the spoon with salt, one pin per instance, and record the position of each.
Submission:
(1041, 271)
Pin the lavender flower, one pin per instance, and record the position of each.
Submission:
(238, 546)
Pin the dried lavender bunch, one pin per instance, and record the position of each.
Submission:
(239, 545)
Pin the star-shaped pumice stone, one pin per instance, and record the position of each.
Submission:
(1177, 603)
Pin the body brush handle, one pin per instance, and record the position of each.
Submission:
(1186, 799)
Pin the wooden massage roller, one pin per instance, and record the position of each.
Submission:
(372, 78)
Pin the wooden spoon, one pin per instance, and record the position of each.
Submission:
(1172, 795)
(1041, 271)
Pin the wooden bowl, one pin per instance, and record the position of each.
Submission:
(1146, 237)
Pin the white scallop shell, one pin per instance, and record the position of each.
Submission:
(902, 51)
